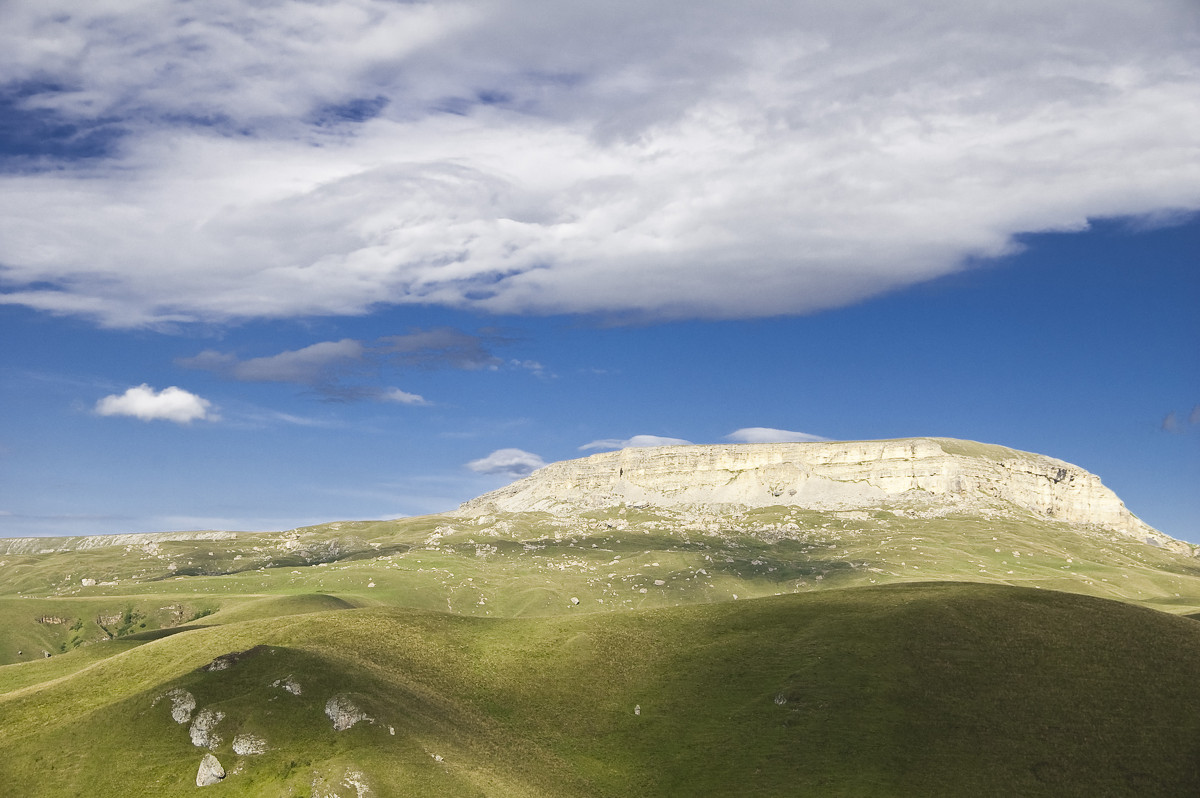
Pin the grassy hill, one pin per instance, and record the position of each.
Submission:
(773, 651)
(908, 690)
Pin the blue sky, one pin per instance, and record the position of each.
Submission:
(291, 263)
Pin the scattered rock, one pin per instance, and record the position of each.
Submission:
(288, 683)
(204, 728)
(574, 600)
(249, 744)
(344, 713)
(637, 709)
(210, 771)
(87, 582)
(358, 781)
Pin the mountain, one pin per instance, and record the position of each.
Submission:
(920, 617)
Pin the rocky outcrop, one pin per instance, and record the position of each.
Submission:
(344, 713)
(85, 542)
(204, 728)
(183, 704)
(247, 744)
(842, 475)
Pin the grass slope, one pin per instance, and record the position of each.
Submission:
(900, 690)
(534, 564)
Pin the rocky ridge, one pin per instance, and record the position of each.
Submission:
(920, 474)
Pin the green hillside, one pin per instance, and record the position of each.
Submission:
(54, 598)
(918, 689)
(774, 651)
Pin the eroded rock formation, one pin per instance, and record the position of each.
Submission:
(916, 472)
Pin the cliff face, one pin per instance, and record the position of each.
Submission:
(919, 472)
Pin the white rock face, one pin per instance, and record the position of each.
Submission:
(210, 771)
(843, 475)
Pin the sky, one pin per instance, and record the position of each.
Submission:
(279, 263)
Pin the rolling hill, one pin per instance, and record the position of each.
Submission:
(924, 617)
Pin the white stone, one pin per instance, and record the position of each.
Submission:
(210, 771)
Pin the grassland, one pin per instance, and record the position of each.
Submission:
(917, 689)
(774, 652)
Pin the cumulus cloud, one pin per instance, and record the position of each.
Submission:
(770, 435)
(507, 462)
(636, 441)
(751, 159)
(169, 404)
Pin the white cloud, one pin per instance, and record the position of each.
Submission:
(509, 462)
(743, 160)
(169, 404)
(770, 435)
(636, 441)
(402, 397)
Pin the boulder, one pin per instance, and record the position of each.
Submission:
(210, 771)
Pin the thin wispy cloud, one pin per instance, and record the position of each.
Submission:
(637, 441)
(169, 404)
(299, 159)
(443, 347)
(313, 365)
(771, 435)
(507, 462)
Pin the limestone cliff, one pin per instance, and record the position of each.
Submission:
(911, 473)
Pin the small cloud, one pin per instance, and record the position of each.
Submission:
(532, 366)
(1174, 424)
(169, 404)
(509, 462)
(403, 397)
(771, 435)
(637, 441)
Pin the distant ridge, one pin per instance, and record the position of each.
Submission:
(922, 476)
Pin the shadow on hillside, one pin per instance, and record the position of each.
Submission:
(157, 634)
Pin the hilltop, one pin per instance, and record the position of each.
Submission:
(926, 477)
